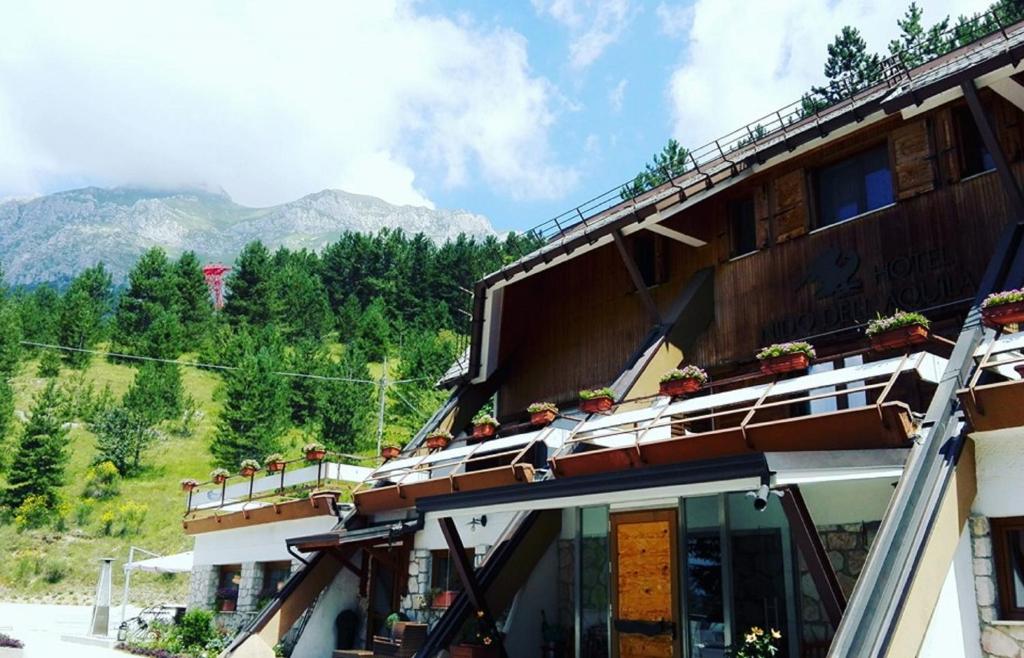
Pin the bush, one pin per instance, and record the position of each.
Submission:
(62, 512)
(49, 364)
(54, 572)
(195, 630)
(121, 437)
(84, 511)
(34, 512)
(107, 522)
(101, 481)
(129, 518)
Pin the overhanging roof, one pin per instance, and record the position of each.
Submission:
(341, 536)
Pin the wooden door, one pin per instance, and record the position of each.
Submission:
(645, 573)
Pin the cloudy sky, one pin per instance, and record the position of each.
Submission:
(514, 110)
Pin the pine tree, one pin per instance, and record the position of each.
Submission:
(305, 392)
(849, 67)
(156, 394)
(250, 296)
(348, 319)
(6, 408)
(196, 309)
(255, 409)
(423, 360)
(49, 364)
(346, 406)
(40, 311)
(670, 162)
(303, 312)
(152, 293)
(38, 466)
(83, 312)
(373, 335)
(915, 44)
(121, 438)
(10, 338)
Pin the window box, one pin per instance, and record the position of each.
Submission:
(542, 413)
(778, 365)
(444, 599)
(899, 338)
(438, 440)
(1003, 314)
(389, 452)
(597, 400)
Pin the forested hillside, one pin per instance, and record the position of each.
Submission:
(139, 387)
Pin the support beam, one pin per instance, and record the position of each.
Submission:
(678, 236)
(813, 551)
(457, 555)
(1011, 90)
(988, 136)
(638, 281)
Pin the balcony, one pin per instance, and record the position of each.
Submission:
(994, 397)
(865, 406)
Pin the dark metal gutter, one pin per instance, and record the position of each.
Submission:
(708, 470)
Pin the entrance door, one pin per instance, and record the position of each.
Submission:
(644, 572)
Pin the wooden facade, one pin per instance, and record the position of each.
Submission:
(575, 325)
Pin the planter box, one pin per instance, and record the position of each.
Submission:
(389, 452)
(444, 599)
(220, 479)
(247, 472)
(275, 467)
(227, 605)
(315, 455)
(473, 651)
(483, 431)
(541, 418)
(899, 338)
(785, 363)
(596, 405)
(11, 652)
(676, 387)
(437, 442)
(1004, 314)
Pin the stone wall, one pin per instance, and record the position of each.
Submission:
(415, 604)
(999, 639)
(203, 581)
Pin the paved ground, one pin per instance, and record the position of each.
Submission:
(40, 627)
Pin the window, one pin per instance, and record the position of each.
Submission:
(228, 579)
(974, 157)
(649, 255)
(275, 575)
(1008, 554)
(854, 186)
(742, 226)
(443, 576)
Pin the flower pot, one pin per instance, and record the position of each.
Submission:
(541, 418)
(596, 405)
(220, 479)
(899, 338)
(677, 387)
(785, 363)
(325, 497)
(1003, 314)
(247, 472)
(437, 442)
(275, 467)
(228, 605)
(444, 599)
(473, 651)
(188, 486)
(483, 431)
(315, 455)
(390, 452)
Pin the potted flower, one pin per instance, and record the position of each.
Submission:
(679, 381)
(10, 647)
(542, 413)
(442, 598)
(1003, 308)
(785, 357)
(227, 598)
(388, 452)
(188, 484)
(899, 330)
(757, 643)
(484, 426)
(249, 468)
(314, 451)
(596, 400)
(479, 639)
(219, 475)
(438, 439)
(274, 462)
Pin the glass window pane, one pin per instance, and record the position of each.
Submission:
(854, 186)
(1015, 546)
(703, 570)
(594, 602)
(744, 232)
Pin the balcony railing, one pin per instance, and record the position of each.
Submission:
(994, 396)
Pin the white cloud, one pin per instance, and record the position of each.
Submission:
(271, 100)
(617, 95)
(674, 20)
(593, 25)
(744, 60)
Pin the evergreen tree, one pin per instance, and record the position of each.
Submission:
(38, 466)
(347, 406)
(121, 438)
(302, 307)
(83, 312)
(423, 360)
(255, 409)
(196, 310)
(915, 44)
(373, 333)
(305, 392)
(10, 338)
(849, 67)
(348, 319)
(49, 364)
(39, 312)
(670, 162)
(156, 394)
(250, 296)
(6, 408)
(152, 293)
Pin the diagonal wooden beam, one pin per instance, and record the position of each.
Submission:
(678, 236)
(638, 281)
(809, 543)
(457, 555)
(988, 136)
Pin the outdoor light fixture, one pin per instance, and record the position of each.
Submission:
(478, 521)
(122, 632)
(761, 495)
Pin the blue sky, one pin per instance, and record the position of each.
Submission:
(515, 110)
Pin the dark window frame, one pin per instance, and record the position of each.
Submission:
(733, 210)
(858, 158)
(651, 257)
(1002, 557)
(269, 568)
(449, 581)
(223, 572)
(973, 158)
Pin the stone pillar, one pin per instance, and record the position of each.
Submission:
(414, 603)
(249, 588)
(202, 586)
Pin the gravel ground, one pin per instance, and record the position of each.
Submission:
(40, 627)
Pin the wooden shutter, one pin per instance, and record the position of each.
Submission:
(912, 153)
(790, 207)
(1008, 128)
(762, 216)
(947, 155)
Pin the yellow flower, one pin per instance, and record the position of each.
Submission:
(756, 630)
(777, 635)
(480, 614)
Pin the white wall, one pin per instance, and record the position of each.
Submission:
(953, 629)
(239, 489)
(1000, 461)
(847, 501)
(264, 542)
(430, 537)
(319, 637)
(523, 628)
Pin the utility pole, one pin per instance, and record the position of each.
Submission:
(380, 411)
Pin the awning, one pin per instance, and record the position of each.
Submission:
(177, 563)
(340, 536)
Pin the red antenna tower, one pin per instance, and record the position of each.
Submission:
(214, 274)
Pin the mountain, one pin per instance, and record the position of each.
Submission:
(52, 237)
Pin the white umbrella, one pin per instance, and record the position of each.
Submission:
(177, 563)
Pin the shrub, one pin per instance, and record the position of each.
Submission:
(121, 437)
(896, 320)
(62, 512)
(782, 349)
(485, 419)
(101, 481)
(129, 518)
(538, 407)
(592, 393)
(759, 644)
(1004, 297)
(196, 629)
(84, 511)
(54, 572)
(49, 364)
(8, 642)
(34, 512)
(687, 372)
(107, 522)
(26, 567)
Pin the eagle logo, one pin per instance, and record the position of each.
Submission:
(833, 273)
